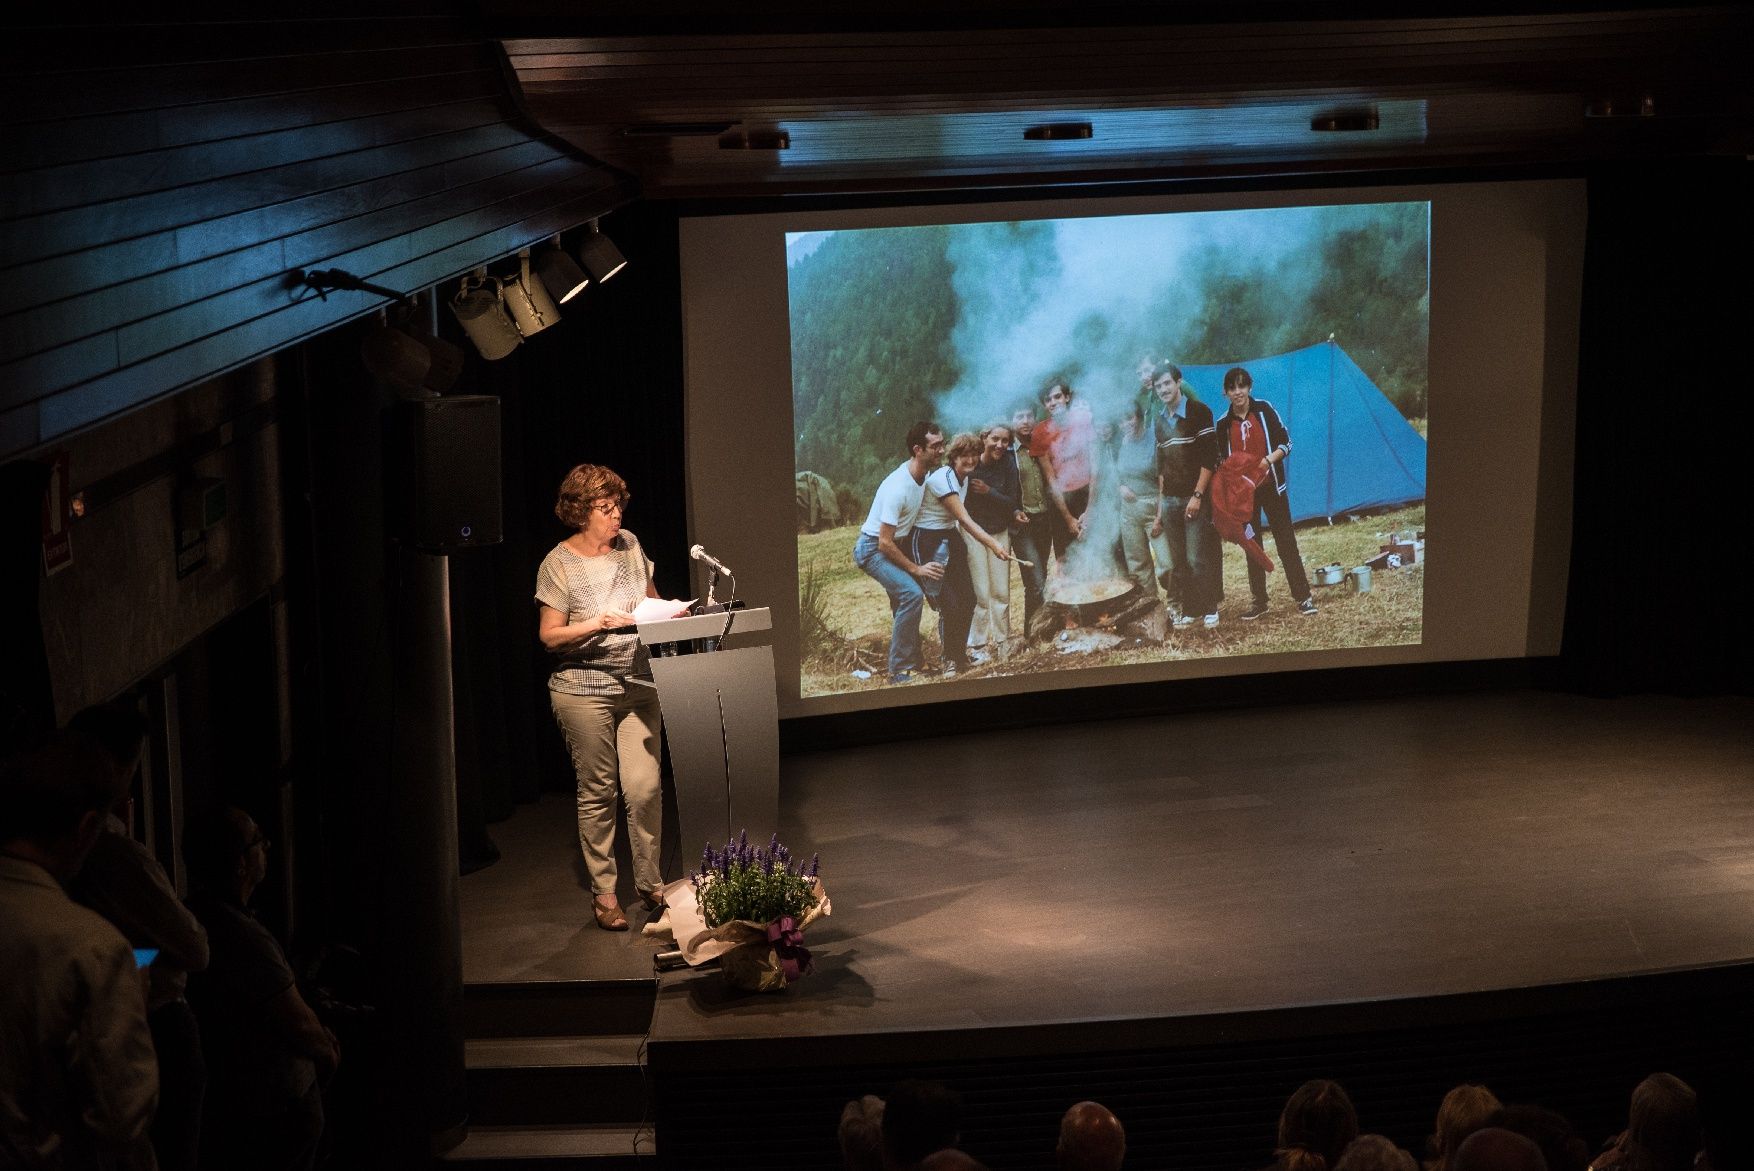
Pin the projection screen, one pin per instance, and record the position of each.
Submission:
(1186, 415)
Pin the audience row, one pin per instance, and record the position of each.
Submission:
(918, 1129)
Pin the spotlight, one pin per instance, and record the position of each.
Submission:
(532, 309)
(601, 258)
(479, 311)
(395, 359)
(447, 362)
(560, 274)
(1346, 121)
(1059, 132)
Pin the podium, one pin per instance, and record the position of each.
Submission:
(723, 725)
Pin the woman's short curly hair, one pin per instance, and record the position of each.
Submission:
(966, 443)
(583, 487)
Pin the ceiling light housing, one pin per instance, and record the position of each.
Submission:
(601, 258)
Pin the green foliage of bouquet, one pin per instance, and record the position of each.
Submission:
(756, 885)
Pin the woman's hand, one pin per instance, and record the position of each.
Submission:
(1193, 508)
(615, 620)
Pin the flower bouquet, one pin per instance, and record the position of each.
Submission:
(747, 908)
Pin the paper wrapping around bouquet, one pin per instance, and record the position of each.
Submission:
(684, 923)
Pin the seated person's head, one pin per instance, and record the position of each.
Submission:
(226, 853)
(1726, 1139)
(53, 802)
(951, 1159)
(1373, 1152)
(1317, 1124)
(1465, 1109)
(1561, 1146)
(861, 1134)
(1091, 1139)
(117, 729)
(1497, 1149)
(1664, 1121)
(919, 1118)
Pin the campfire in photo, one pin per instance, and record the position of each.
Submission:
(1090, 604)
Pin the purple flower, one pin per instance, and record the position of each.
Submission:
(815, 863)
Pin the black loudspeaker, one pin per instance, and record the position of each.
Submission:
(444, 472)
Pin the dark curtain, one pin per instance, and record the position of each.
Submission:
(1663, 434)
(603, 386)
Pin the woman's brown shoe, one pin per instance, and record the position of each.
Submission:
(653, 900)
(610, 918)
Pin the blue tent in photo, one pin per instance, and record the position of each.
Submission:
(1350, 448)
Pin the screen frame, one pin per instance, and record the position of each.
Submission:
(1506, 265)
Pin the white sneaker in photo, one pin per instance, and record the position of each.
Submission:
(1211, 620)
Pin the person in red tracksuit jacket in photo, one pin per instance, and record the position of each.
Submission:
(1255, 427)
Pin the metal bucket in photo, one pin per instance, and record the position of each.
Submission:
(1359, 579)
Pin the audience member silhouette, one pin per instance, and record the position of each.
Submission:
(951, 1159)
(1464, 1110)
(1316, 1126)
(861, 1134)
(1561, 1146)
(1662, 1129)
(267, 1052)
(918, 1119)
(1373, 1152)
(1497, 1149)
(78, 1081)
(1726, 1139)
(1091, 1139)
(124, 883)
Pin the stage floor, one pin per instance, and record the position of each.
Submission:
(1217, 863)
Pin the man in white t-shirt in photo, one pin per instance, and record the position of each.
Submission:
(878, 551)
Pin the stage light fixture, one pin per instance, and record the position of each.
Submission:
(395, 359)
(480, 310)
(1059, 132)
(601, 258)
(1346, 121)
(560, 273)
(447, 362)
(532, 309)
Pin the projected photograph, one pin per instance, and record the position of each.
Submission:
(1054, 445)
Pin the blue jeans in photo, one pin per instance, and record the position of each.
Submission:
(1193, 556)
(906, 599)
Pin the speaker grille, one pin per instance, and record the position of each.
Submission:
(446, 486)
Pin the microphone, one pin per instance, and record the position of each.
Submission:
(700, 554)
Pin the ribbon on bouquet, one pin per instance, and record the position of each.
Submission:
(788, 947)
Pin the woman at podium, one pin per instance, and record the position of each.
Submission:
(601, 688)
